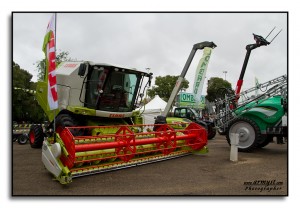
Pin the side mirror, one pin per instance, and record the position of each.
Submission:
(82, 69)
(150, 79)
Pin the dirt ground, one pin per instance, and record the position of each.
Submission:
(263, 172)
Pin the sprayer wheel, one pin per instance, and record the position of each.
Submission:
(36, 136)
(248, 131)
(265, 141)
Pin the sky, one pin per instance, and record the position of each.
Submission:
(159, 41)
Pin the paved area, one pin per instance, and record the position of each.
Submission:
(263, 172)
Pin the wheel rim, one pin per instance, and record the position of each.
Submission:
(23, 139)
(31, 137)
(246, 133)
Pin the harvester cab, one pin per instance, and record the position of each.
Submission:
(96, 127)
(92, 89)
(109, 88)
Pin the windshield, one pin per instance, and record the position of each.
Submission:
(111, 89)
(194, 112)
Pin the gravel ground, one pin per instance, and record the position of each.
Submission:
(200, 175)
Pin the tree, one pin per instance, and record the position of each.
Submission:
(164, 86)
(24, 105)
(216, 88)
(60, 57)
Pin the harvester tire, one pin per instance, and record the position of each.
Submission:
(248, 131)
(66, 120)
(211, 133)
(36, 136)
(22, 139)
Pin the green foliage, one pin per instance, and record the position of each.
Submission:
(164, 86)
(24, 105)
(41, 65)
(21, 77)
(216, 88)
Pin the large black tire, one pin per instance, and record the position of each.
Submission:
(211, 133)
(265, 141)
(221, 132)
(205, 125)
(23, 139)
(210, 128)
(36, 136)
(249, 134)
(66, 120)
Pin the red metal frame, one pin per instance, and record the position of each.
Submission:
(126, 142)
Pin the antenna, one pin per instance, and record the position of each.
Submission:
(270, 32)
(276, 35)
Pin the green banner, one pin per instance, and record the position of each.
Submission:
(188, 100)
(201, 72)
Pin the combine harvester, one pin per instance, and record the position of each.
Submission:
(255, 119)
(96, 127)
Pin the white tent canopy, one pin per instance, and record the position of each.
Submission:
(153, 109)
(156, 104)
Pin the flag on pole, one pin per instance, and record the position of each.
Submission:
(49, 50)
(200, 74)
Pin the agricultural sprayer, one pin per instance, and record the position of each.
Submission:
(96, 127)
(256, 119)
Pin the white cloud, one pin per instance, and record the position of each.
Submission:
(160, 41)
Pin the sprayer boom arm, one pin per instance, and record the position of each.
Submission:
(259, 41)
